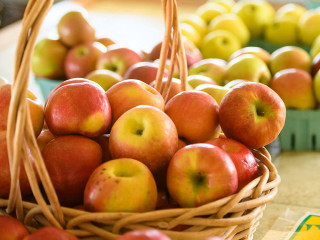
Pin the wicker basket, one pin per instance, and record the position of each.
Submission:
(233, 217)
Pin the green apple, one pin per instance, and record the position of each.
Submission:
(196, 80)
(213, 68)
(195, 21)
(248, 67)
(257, 51)
(316, 86)
(289, 57)
(283, 32)
(232, 23)
(291, 11)
(219, 44)
(190, 33)
(315, 48)
(105, 78)
(228, 4)
(210, 10)
(217, 92)
(256, 14)
(309, 27)
(48, 59)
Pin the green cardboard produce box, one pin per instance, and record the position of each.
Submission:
(46, 85)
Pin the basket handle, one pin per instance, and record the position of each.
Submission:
(21, 141)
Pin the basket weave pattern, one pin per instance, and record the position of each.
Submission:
(233, 217)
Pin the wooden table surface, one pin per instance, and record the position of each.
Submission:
(140, 24)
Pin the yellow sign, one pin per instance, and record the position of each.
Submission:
(307, 228)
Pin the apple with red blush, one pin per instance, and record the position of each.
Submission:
(51, 233)
(12, 229)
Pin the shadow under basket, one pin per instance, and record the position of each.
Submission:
(301, 131)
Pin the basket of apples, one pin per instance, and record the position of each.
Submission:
(129, 162)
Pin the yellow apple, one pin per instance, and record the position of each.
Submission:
(315, 48)
(228, 4)
(210, 10)
(283, 32)
(190, 33)
(257, 51)
(196, 80)
(195, 21)
(232, 23)
(219, 44)
(256, 14)
(316, 86)
(105, 78)
(309, 27)
(217, 92)
(291, 11)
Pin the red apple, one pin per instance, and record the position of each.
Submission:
(51, 233)
(70, 160)
(252, 113)
(214, 238)
(44, 138)
(144, 71)
(12, 229)
(74, 28)
(118, 59)
(103, 141)
(48, 59)
(195, 115)
(295, 87)
(147, 134)
(82, 59)
(128, 94)
(121, 185)
(242, 157)
(146, 234)
(199, 174)
(78, 108)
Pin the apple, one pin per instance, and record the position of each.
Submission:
(232, 23)
(190, 33)
(12, 229)
(289, 57)
(105, 41)
(219, 44)
(295, 87)
(70, 160)
(196, 22)
(44, 138)
(235, 82)
(51, 233)
(256, 51)
(82, 59)
(147, 134)
(228, 4)
(217, 92)
(195, 114)
(316, 86)
(48, 59)
(193, 54)
(34, 104)
(210, 10)
(103, 141)
(282, 32)
(128, 94)
(213, 68)
(181, 143)
(78, 108)
(144, 71)
(248, 67)
(214, 238)
(255, 14)
(118, 59)
(315, 66)
(199, 174)
(290, 11)
(74, 28)
(308, 26)
(253, 114)
(174, 89)
(145, 234)
(242, 157)
(196, 80)
(315, 47)
(121, 185)
(105, 78)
